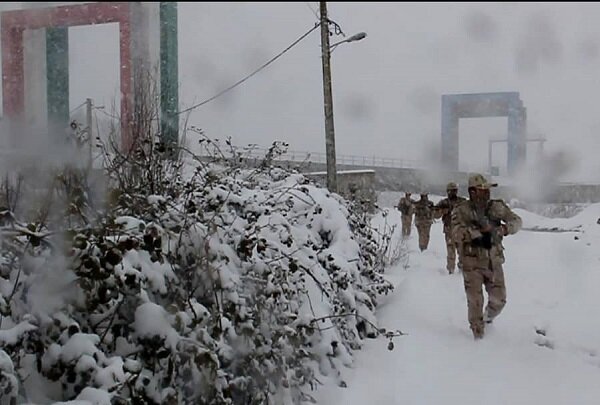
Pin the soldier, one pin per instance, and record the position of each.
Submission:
(407, 209)
(423, 219)
(443, 209)
(478, 226)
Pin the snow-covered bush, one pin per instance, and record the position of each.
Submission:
(209, 282)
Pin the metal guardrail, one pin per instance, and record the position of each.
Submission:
(350, 160)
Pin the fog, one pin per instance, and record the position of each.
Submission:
(387, 88)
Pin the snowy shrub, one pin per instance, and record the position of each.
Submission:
(8, 380)
(216, 284)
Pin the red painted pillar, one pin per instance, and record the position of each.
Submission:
(13, 87)
(126, 74)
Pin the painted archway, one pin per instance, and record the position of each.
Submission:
(147, 39)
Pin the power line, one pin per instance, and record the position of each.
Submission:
(313, 10)
(76, 108)
(253, 73)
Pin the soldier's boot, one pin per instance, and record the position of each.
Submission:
(450, 266)
(478, 331)
(486, 317)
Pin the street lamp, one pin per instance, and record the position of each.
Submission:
(327, 95)
(355, 37)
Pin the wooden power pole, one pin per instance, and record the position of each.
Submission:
(328, 101)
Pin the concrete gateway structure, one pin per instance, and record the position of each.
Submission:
(35, 60)
(504, 104)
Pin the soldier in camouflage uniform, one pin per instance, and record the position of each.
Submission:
(407, 209)
(443, 209)
(478, 226)
(423, 219)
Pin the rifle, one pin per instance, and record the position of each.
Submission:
(488, 239)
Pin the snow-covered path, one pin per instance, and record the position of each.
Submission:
(553, 283)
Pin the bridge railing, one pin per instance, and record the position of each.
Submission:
(350, 160)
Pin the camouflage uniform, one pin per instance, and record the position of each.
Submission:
(482, 253)
(423, 220)
(407, 209)
(443, 209)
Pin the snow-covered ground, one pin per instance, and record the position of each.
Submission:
(553, 285)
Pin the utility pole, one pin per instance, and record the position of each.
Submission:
(328, 101)
(88, 123)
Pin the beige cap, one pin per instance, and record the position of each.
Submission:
(478, 181)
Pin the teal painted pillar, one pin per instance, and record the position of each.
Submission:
(57, 84)
(169, 77)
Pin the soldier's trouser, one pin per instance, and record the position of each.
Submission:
(451, 249)
(406, 224)
(423, 230)
(492, 276)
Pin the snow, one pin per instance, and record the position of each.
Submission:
(78, 345)
(155, 274)
(152, 320)
(12, 336)
(552, 283)
(49, 287)
(90, 396)
(6, 364)
(130, 223)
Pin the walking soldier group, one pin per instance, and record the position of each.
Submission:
(473, 229)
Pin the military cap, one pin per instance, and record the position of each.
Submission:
(478, 181)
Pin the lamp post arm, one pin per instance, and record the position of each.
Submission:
(355, 37)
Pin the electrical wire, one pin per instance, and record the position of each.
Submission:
(78, 107)
(313, 10)
(251, 74)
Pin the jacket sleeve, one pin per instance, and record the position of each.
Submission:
(440, 209)
(513, 221)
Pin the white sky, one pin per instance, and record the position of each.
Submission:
(552, 281)
(387, 87)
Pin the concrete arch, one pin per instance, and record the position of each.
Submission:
(503, 104)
